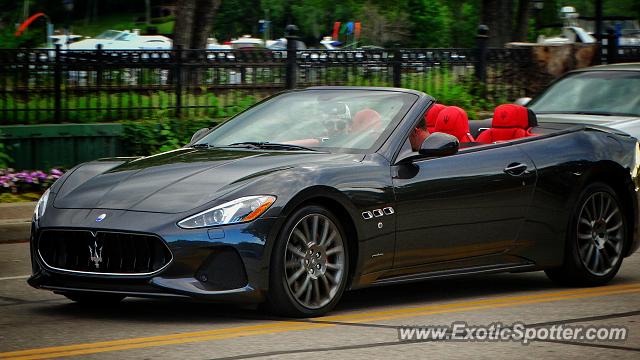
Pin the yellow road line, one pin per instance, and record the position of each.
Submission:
(489, 306)
(490, 301)
(85, 351)
(285, 326)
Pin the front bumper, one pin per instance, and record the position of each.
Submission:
(199, 267)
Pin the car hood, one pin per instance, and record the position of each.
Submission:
(178, 180)
(627, 124)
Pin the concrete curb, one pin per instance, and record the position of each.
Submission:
(15, 221)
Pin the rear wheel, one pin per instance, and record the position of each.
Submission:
(595, 239)
(93, 299)
(309, 264)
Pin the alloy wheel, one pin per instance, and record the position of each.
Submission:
(314, 261)
(600, 233)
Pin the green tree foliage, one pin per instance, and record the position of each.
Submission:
(421, 23)
(432, 23)
(236, 18)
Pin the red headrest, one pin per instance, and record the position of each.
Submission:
(510, 116)
(453, 120)
(432, 115)
(366, 119)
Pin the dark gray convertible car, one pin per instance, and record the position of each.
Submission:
(314, 192)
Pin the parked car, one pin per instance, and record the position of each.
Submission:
(626, 27)
(605, 95)
(314, 192)
(123, 40)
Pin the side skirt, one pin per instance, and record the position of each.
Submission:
(485, 269)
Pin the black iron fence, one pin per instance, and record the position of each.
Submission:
(57, 85)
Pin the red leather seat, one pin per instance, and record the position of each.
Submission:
(432, 115)
(509, 122)
(454, 121)
(365, 120)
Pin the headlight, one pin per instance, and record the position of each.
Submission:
(237, 211)
(41, 206)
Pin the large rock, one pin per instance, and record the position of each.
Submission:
(551, 61)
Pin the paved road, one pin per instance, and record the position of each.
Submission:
(37, 324)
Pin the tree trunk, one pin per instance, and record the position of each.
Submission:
(194, 20)
(203, 22)
(147, 11)
(521, 29)
(498, 15)
(183, 27)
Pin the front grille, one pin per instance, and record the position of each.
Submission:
(103, 252)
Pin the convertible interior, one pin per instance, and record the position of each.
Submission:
(509, 122)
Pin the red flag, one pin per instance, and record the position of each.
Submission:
(336, 30)
(28, 22)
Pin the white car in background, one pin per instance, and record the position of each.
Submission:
(123, 40)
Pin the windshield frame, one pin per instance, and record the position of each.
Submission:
(382, 138)
(577, 112)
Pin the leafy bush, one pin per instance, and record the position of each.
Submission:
(163, 19)
(457, 90)
(149, 137)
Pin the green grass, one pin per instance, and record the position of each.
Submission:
(124, 106)
(117, 22)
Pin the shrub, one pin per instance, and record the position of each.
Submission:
(26, 181)
(149, 137)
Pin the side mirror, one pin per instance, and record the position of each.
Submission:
(439, 144)
(198, 135)
(523, 101)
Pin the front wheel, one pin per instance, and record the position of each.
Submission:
(595, 239)
(309, 264)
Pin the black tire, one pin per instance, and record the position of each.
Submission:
(281, 299)
(95, 298)
(591, 261)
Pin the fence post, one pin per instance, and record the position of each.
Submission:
(291, 74)
(57, 86)
(99, 65)
(612, 46)
(482, 42)
(178, 71)
(397, 66)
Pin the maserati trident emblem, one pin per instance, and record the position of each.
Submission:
(101, 217)
(95, 254)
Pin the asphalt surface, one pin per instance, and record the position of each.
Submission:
(38, 324)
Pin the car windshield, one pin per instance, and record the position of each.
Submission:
(349, 120)
(595, 92)
(109, 35)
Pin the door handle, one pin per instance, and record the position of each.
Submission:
(515, 169)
